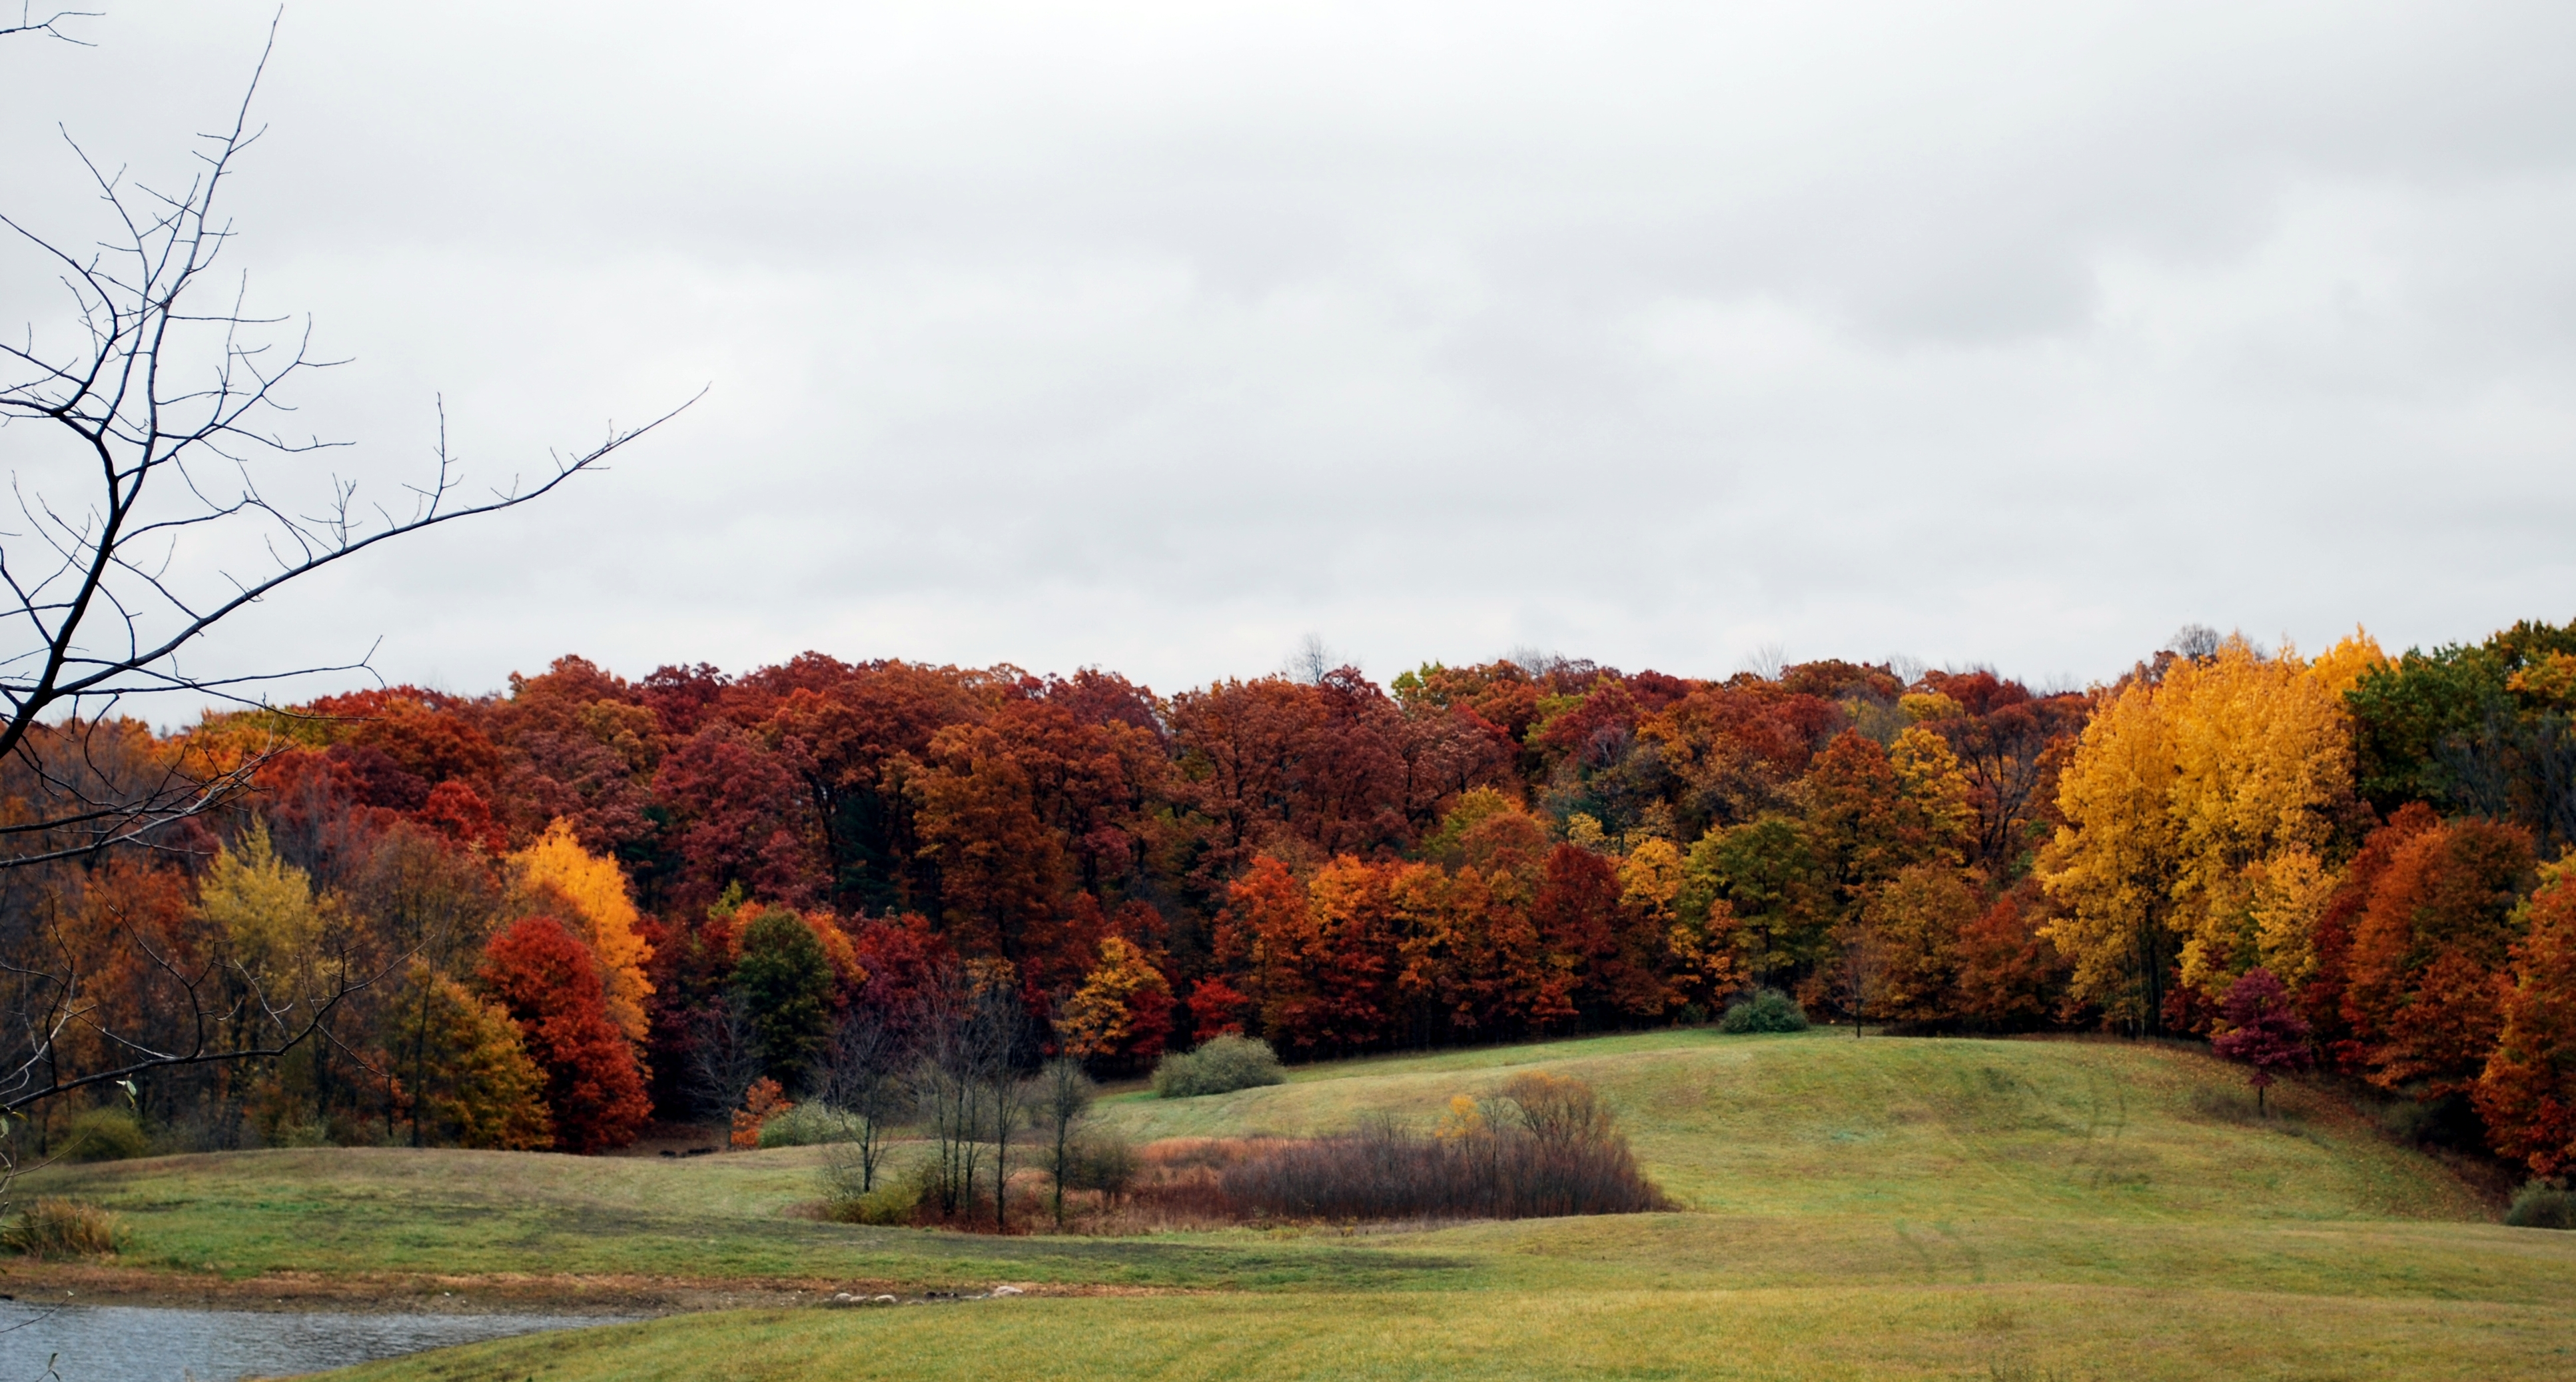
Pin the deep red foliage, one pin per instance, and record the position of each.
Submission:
(551, 985)
(1577, 915)
(2428, 957)
(2264, 1029)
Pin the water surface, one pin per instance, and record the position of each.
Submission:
(125, 1343)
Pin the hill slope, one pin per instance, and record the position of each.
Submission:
(1875, 1208)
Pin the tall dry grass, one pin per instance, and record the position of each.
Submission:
(1541, 1146)
(62, 1228)
(1385, 1171)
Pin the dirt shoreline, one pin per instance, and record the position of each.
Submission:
(85, 1283)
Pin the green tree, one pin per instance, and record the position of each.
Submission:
(784, 982)
(1767, 872)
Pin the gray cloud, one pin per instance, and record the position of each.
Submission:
(1156, 337)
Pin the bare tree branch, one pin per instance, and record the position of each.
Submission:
(172, 403)
(50, 25)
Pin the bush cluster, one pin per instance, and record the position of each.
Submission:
(2543, 1205)
(895, 1202)
(1767, 1010)
(1098, 1160)
(1219, 1066)
(105, 1134)
(1544, 1146)
(806, 1125)
(1385, 1172)
(62, 1228)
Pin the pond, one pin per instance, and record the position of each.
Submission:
(121, 1343)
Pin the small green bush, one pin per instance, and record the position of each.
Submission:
(62, 1228)
(1767, 1010)
(1220, 1066)
(2543, 1205)
(890, 1205)
(805, 1125)
(104, 1134)
(1100, 1161)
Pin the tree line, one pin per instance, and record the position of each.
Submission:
(546, 916)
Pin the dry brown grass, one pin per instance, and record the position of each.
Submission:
(62, 1228)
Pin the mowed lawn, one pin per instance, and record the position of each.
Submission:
(1857, 1208)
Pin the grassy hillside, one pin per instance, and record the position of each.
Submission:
(1874, 1208)
(1828, 1124)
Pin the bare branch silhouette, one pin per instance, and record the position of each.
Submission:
(156, 482)
(169, 398)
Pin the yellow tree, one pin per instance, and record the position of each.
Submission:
(2198, 808)
(290, 947)
(605, 916)
(472, 1082)
(1111, 1011)
(265, 908)
(1650, 885)
(2263, 762)
(1930, 776)
(2111, 865)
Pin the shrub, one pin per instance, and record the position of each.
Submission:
(1219, 1066)
(1767, 1010)
(2543, 1205)
(805, 1125)
(1384, 1171)
(1100, 1161)
(104, 1134)
(891, 1204)
(62, 1228)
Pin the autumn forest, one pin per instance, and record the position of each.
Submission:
(550, 916)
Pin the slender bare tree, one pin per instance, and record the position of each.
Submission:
(863, 1085)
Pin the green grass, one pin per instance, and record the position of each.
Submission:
(364, 1210)
(1858, 1208)
(1828, 1124)
(1835, 1332)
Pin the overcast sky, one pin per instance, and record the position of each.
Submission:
(1156, 337)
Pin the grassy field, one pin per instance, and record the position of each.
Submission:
(1864, 1209)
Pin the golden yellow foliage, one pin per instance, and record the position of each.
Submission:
(266, 909)
(2550, 678)
(2290, 892)
(1463, 1119)
(607, 918)
(2111, 863)
(1100, 1016)
(2339, 668)
(2196, 809)
(1650, 878)
(1931, 776)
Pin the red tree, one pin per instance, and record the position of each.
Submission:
(2429, 954)
(2009, 974)
(1216, 1009)
(1577, 915)
(2528, 1092)
(739, 817)
(551, 984)
(2322, 996)
(2264, 1030)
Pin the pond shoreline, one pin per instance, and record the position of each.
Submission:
(91, 1283)
(626, 1297)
